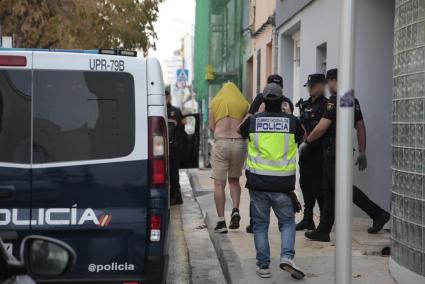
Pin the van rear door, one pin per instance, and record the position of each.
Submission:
(90, 163)
(15, 147)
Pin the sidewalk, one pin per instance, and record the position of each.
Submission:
(237, 253)
(204, 266)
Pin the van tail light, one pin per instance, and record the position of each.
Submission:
(158, 152)
(13, 60)
(155, 233)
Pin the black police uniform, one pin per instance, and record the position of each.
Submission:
(311, 161)
(255, 106)
(327, 215)
(176, 115)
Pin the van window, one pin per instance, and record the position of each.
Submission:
(82, 115)
(15, 116)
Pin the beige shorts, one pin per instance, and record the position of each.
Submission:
(228, 158)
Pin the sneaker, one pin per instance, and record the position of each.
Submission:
(263, 271)
(379, 222)
(317, 236)
(235, 218)
(221, 227)
(305, 225)
(249, 229)
(289, 266)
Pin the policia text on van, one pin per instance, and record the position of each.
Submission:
(83, 158)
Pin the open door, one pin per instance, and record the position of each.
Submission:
(190, 147)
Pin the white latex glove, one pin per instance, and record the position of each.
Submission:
(302, 147)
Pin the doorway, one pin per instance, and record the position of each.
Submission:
(249, 78)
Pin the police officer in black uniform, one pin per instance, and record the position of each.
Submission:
(311, 161)
(327, 128)
(259, 100)
(175, 116)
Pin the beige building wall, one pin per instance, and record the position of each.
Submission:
(261, 61)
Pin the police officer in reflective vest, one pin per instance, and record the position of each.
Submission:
(311, 161)
(271, 165)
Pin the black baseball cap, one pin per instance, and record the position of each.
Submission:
(277, 79)
(332, 74)
(315, 79)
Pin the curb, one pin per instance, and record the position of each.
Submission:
(204, 262)
(227, 257)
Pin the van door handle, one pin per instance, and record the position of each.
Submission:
(6, 191)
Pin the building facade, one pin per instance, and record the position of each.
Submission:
(181, 92)
(260, 59)
(386, 32)
(221, 44)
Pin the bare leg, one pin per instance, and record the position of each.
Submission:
(235, 191)
(219, 196)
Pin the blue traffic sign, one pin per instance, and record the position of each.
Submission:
(182, 75)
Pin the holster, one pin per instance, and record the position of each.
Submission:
(329, 147)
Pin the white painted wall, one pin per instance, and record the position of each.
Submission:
(319, 23)
(373, 85)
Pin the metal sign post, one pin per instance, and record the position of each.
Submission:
(344, 145)
(1, 33)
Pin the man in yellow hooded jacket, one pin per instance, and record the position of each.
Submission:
(227, 110)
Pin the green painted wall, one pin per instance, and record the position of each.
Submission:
(201, 48)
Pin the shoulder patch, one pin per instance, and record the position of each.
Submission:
(330, 106)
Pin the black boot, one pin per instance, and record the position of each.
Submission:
(379, 222)
(318, 236)
(307, 222)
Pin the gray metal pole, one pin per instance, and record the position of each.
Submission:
(344, 145)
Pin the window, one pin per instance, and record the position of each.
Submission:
(269, 59)
(321, 58)
(82, 115)
(15, 116)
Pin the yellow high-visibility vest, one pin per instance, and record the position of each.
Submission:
(272, 149)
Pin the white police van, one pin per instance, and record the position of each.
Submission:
(84, 158)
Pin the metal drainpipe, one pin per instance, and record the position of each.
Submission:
(275, 39)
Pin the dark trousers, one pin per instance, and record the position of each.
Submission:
(175, 193)
(311, 164)
(327, 215)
